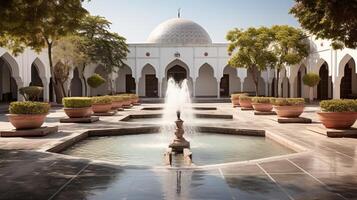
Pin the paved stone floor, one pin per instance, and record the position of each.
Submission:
(326, 169)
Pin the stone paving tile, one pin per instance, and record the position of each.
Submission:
(342, 183)
(304, 187)
(280, 166)
(254, 187)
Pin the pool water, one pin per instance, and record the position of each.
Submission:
(148, 149)
(196, 121)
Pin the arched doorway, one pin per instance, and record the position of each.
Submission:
(8, 85)
(76, 84)
(148, 83)
(348, 86)
(36, 79)
(125, 83)
(230, 82)
(324, 88)
(285, 87)
(206, 83)
(299, 83)
(177, 72)
(249, 86)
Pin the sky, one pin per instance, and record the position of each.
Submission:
(135, 19)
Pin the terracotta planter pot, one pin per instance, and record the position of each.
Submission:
(26, 121)
(289, 111)
(245, 103)
(235, 102)
(117, 104)
(127, 103)
(101, 108)
(337, 120)
(78, 112)
(262, 107)
(136, 100)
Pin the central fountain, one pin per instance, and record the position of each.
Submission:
(179, 143)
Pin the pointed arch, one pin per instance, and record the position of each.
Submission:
(125, 82)
(148, 82)
(76, 84)
(10, 79)
(206, 83)
(230, 82)
(347, 75)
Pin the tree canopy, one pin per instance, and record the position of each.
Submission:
(36, 23)
(251, 50)
(289, 46)
(335, 20)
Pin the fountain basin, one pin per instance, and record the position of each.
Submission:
(141, 148)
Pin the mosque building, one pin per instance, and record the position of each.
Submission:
(182, 49)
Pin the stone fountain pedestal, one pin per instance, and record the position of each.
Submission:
(179, 143)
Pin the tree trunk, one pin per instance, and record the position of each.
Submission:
(311, 94)
(55, 85)
(84, 80)
(277, 86)
(256, 80)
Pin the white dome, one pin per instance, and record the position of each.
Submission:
(179, 31)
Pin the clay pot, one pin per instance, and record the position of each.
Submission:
(262, 107)
(289, 111)
(20, 121)
(246, 103)
(337, 120)
(127, 103)
(235, 102)
(101, 108)
(78, 112)
(117, 104)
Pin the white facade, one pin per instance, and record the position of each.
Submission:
(180, 48)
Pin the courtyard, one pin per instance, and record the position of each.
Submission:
(319, 168)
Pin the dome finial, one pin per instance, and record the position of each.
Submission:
(179, 13)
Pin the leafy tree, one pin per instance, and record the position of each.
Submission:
(251, 50)
(289, 47)
(101, 45)
(311, 80)
(38, 24)
(68, 52)
(335, 20)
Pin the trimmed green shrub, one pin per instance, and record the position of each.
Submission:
(236, 95)
(117, 98)
(261, 99)
(101, 100)
(311, 79)
(29, 107)
(77, 102)
(95, 81)
(339, 105)
(31, 93)
(288, 101)
(245, 97)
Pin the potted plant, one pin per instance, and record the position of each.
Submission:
(235, 98)
(102, 104)
(262, 104)
(134, 99)
(288, 107)
(31, 93)
(117, 102)
(126, 100)
(338, 114)
(77, 107)
(28, 114)
(245, 101)
(311, 80)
